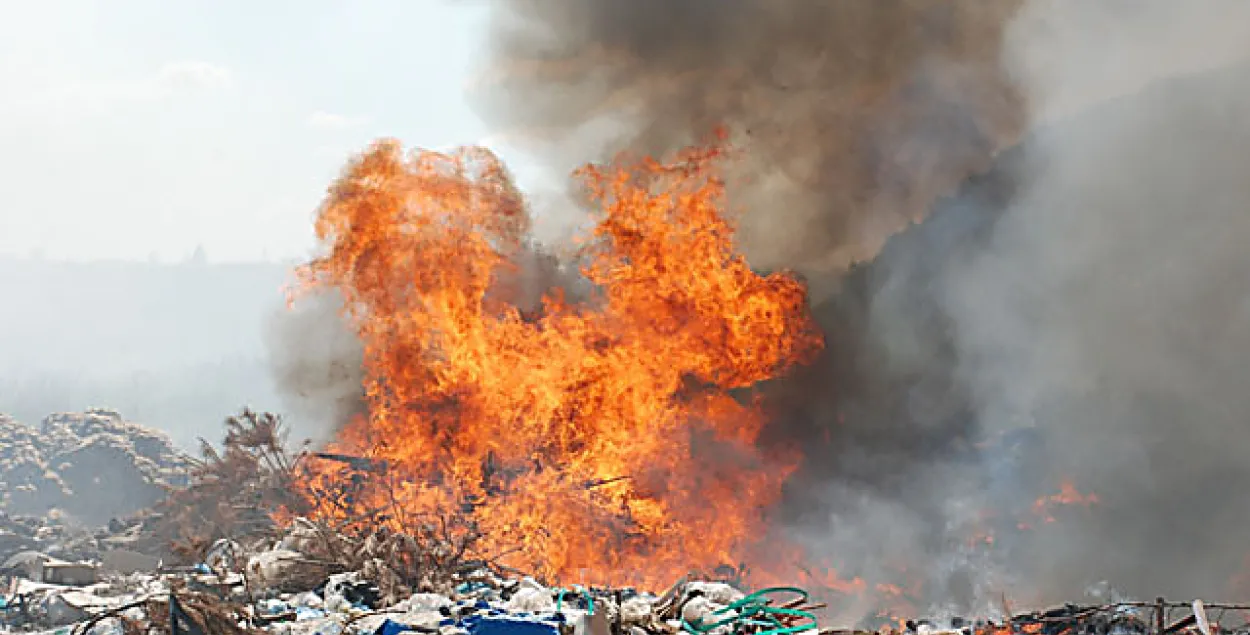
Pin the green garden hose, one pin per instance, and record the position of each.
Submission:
(754, 610)
(590, 601)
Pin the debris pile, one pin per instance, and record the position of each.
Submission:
(227, 550)
(233, 551)
(72, 489)
(92, 466)
(1159, 617)
(481, 603)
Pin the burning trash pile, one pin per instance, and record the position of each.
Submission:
(201, 563)
(585, 460)
(547, 470)
(609, 436)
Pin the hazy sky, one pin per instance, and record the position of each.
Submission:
(136, 128)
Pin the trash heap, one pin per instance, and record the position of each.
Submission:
(207, 558)
(283, 590)
(92, 467)
(1159, 617)
(201, 553)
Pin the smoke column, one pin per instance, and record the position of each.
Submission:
(315, 360)
(854, 116)
(1108, 306)
(1077, 313)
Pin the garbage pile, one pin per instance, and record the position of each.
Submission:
(209, 558)
(1159, 617)
(206, 555)
(90, 467)
(282, 589)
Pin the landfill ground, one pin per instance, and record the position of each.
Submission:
(191, 550)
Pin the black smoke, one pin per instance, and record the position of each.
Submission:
(854, 115)
(1081, 313)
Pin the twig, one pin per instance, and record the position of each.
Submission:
(113, 612)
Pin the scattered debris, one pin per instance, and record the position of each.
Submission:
(210, 558)
(1121, 618)
(70, 573)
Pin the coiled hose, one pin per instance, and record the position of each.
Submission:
(590, 601)
(754, 610)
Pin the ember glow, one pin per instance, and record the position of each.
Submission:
(596, 442)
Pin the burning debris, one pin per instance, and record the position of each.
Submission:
(500, 449)
(228, 553)
(225, 555)
(601, 439)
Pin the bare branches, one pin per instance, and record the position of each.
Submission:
(249, 487)
(232, 492)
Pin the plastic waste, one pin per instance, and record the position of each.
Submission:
(509, 626)
(390, 627)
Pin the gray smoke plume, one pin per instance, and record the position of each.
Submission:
(315, 358)
(1110, 304)
(1079, 313)
(854, 115)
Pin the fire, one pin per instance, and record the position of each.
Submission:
(1067, 495)
(594, 442)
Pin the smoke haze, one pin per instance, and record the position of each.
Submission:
(315, 359)
(177, 346)
(1109, 303)
(1076, 314)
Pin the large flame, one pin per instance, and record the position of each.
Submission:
(594, 442)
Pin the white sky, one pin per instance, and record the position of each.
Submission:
(139, 128)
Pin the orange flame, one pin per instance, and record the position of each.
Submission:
(1044, 507)
(598, 442)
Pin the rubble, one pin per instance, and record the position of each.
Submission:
(481, 603)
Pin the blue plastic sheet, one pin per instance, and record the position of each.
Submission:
(392, 628)
(509, 626)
